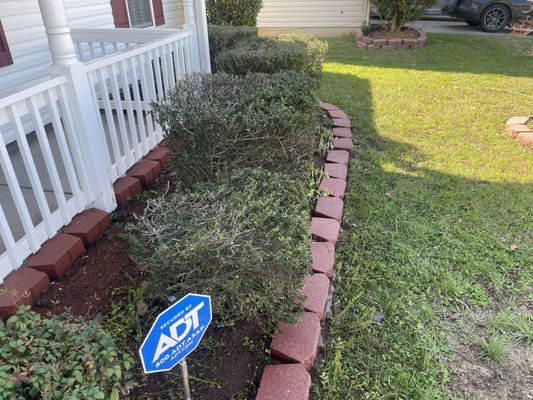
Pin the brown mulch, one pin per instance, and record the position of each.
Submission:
(229, 360)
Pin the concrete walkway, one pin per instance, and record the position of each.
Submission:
(451, 25)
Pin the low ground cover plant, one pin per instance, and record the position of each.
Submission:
(301, 53)
(217, 122)
(59, 358)
(243, 240)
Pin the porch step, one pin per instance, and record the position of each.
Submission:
(56, 255)
(88, 225)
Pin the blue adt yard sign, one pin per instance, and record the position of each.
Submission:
(176, 332)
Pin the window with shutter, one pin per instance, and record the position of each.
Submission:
(137, 13)
(5, 54)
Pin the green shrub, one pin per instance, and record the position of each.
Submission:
(59, 359)
(316, 51)
(233, 12)
(220, 121)
(301, 53)
(244, 241)
(399, 12)
(226, 37)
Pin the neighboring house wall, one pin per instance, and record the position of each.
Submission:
(319, 17)
(27, 41)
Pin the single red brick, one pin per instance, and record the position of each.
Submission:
(323, 255)
(10, 301)
(342, 133)
(316, 291)
(337, 114)
(329, 207)
(421, 40)
(125, 188)
(380, 42)
(56, 255)
(338, 157)
(88, 225)
(159, 154)
(342, 144)
(518, 120)
(27, 279)
(334, 187)
(336, 170)
(284, 382)
(410, 41)
(373, 47)
(395, 42)
(342, 123)
(404, 46)
(525, 138)
(366, 39)
(145, 171)
(327, 106)
(297, 343)
(515, 129)
(325, 229)
(362, 45)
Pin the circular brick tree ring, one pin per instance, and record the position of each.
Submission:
(519, 130)
(367, 42)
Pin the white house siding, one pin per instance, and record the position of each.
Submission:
(23, 26)
(314, 16)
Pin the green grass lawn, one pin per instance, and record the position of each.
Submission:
(434, 279)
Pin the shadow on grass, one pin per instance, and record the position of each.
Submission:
(418, 245)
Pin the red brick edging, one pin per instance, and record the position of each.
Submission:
(296, 345)
(23, 286)
(366, 42)
(518, 129)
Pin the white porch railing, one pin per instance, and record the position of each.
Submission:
(125, 83)
(65, 140)
(43, 181)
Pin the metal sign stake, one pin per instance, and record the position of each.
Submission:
(185, 375)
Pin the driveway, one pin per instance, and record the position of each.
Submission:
(451, 25)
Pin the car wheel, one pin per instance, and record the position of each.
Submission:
(472, 23)
(494, 18)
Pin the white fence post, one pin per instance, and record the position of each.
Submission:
(196, 21)
(86, 112)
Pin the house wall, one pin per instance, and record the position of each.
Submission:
(27, 40)
(323, 18)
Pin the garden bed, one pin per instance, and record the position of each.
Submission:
(378, 38)
(105, 276)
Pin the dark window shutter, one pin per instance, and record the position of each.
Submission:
(159, 15)
(5, 54)
(120, 13)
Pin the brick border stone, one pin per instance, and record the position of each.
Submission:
(519, 130)
(366, 42)
(297, 344)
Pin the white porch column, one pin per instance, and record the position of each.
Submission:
(58, 32)
(86, 112)
(196, 21)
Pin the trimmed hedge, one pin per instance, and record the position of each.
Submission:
(301, 53)
(219, 121)
(233, 12)
(59, 359)
(244, 241)
(226, 37)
